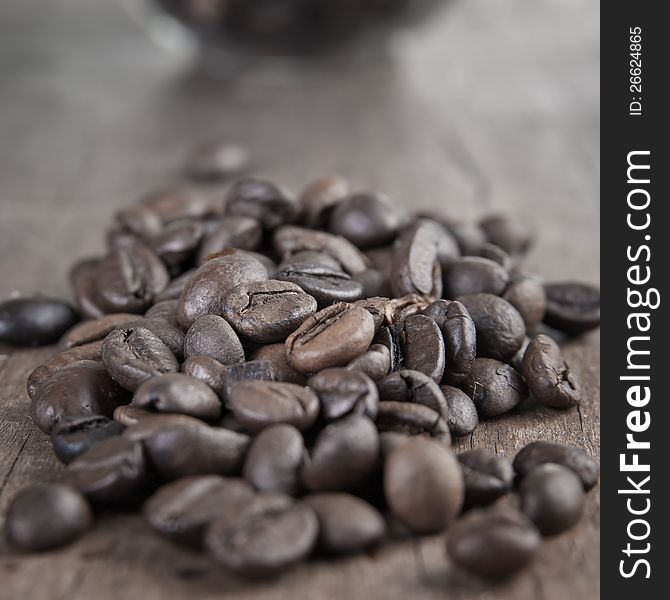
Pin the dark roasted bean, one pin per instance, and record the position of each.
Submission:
(526, 294)
(511, 234)
(462, 413)
(474, 275)
(412, 419)
(413, 386)
(495, 388)
(416, 267)
(96, 329)
(84, 289)
(211, 335)
(319, 197)
(275, 354)
(241, 232)
(34, 321)
(375, 362)
(342, 392)
(487, 476)
(423, 346)
(325, 284)
(176, 204)
(165, 310)
(572, 307)
(208, 370)
(261, 200)
(251, 370)
(72, 437)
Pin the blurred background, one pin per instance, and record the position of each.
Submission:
(472, 106)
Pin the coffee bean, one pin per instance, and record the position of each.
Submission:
(128, 415)
(129, 277)
(34, 321)
(259, 404)
(250, 370)
(552, 496)
(166, 332)
(526, 294)
(500, 328)
(487, 476)
(211, 162)
(319, 197)
(366, 219)
(110, 472)
(399, 309)
(211, 335)
(41, 374)
(141, 221)
(327, 285)
(205, 291)
(437, 311)
(379, 308)
(275, 354)
(165, 310)
(575, 459)
(148, 423)
(330, 338)
(241, 232)
(374, 283)
(412, 419)
(289, 240)
(511, 234)
(423, 485)
(474, 275)
(469, 236)
(416, 266)
(494, 387)
(261, 200)
(46, 516)
(548, 375)
(178, 393)
(572, 307)
(94, 330)
(462, 413)
(80, 389)
(210, 449)
(181, 510)
(423, 346)
(275, 459)
(388, 336)
(342, 392)
(84, 288)
(413, 386)
(493, 543)
(266, 537)
(347, 524)
(447, 246)
(208, 370)
(176, 286)
(72, 437)
(267, 311)
(177, 243)
(375, 362)
(343, 456)
(496, 254)
(131, 356)
(175, 204)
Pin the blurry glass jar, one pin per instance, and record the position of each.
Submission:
(285, 27)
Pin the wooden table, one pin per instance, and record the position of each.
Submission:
(489, 105)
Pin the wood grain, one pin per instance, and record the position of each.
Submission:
(489, 105)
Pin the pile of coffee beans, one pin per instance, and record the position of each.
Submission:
(276, 376)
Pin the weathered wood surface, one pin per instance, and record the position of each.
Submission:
(491, 105)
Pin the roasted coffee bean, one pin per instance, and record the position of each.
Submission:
(166, 332)
(497, 255)
(250, 370)
(93, 330)
(500, 328)
(398, 309)
(575, 459)
(462, 414)
(176, 286)
(366, 219)
(344, 455)
(437, 311)
(205, 291)
(548, 375)
(149, 423)
(210, 449)
(216, 161)
(82, 278)
(347, 524)
(259, 404)
(275, 460)
(178, 242)
(423, 346)
(266, 537)
(241, 232)
(181, 510)
(474, 275)
(572, 307)
(412, 419)
(80, 389)
(495, 388)
(41, 374)
(46, 516)
(72, 437)
(416, 266)
(129, 277)
(289, 240)
(178, 393)
(342, 392)
(511, 234)
(526, 294)
(208, 370)
(487, 476)
(177, 204)
(552, 496)
(423, 485)
(447, 246)
(469, 236)
(131, 356)
(111, 472)
(378, 307)
(388, 336)
(128, 415)
(34, 321)
(325, 284)
(165, 310)
(375, 362)
(413, 386)
(141, 221)
(493, 543)
(374, 283)
(330, 338)
(319, 197)
(275, 354)
(263, 201)
(267, 311)
(211, 335)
